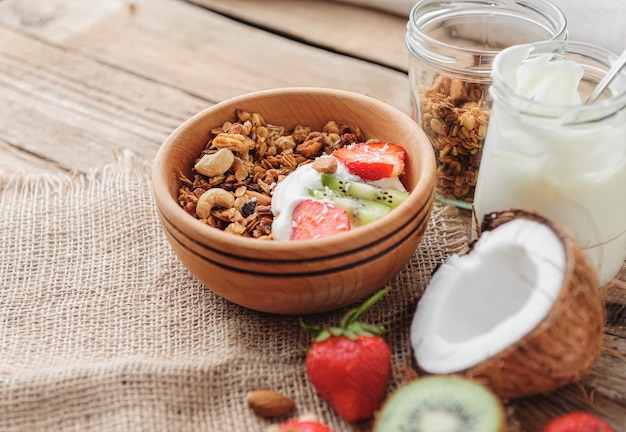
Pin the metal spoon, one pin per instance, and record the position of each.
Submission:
(608, 78)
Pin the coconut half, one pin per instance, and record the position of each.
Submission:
(522, 311)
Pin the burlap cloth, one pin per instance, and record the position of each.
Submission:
(103, 329)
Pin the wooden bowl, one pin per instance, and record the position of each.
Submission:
(304, 276)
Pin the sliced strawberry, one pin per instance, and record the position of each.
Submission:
(577, 422)
(372, 160)
(314, 219)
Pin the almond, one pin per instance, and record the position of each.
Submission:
(269, 403)
(326, 165)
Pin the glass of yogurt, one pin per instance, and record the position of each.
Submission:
(548, 151)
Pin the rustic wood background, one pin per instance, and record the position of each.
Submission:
(82, 80)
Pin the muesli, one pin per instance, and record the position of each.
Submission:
(263, 155)
(454, 115)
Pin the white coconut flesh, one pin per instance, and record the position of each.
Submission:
(478, 304)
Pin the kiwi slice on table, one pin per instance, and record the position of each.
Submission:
(441, 404)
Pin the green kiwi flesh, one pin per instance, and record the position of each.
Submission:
(445, 403)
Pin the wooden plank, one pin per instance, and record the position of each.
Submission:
(131, 77)
(14, 159)
(201, 52)
(363, 32)
(54, 19)
(76, 111)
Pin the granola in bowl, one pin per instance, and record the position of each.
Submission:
(262, 154)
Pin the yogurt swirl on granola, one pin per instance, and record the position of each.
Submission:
(295, 188)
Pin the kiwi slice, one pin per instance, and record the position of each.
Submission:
(391, 197)
(445, 403)
(361, 211)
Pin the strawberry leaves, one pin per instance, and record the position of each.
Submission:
(349, 326)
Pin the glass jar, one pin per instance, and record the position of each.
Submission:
(546, 151)
(452, 45)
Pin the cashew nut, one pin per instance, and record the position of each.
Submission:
(215, 164)
(213, 198)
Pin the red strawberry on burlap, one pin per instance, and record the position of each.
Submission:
(350, 365)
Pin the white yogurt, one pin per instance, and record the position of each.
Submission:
(295, 188)
(545, 81)
(573, 174)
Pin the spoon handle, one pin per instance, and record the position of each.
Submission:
(604, 82)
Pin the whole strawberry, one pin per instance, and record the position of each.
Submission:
(350, 365)
(577, 422)
(303, 425)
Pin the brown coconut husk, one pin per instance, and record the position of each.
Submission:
(565, 344)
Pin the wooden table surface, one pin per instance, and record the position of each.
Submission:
(82, 80)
